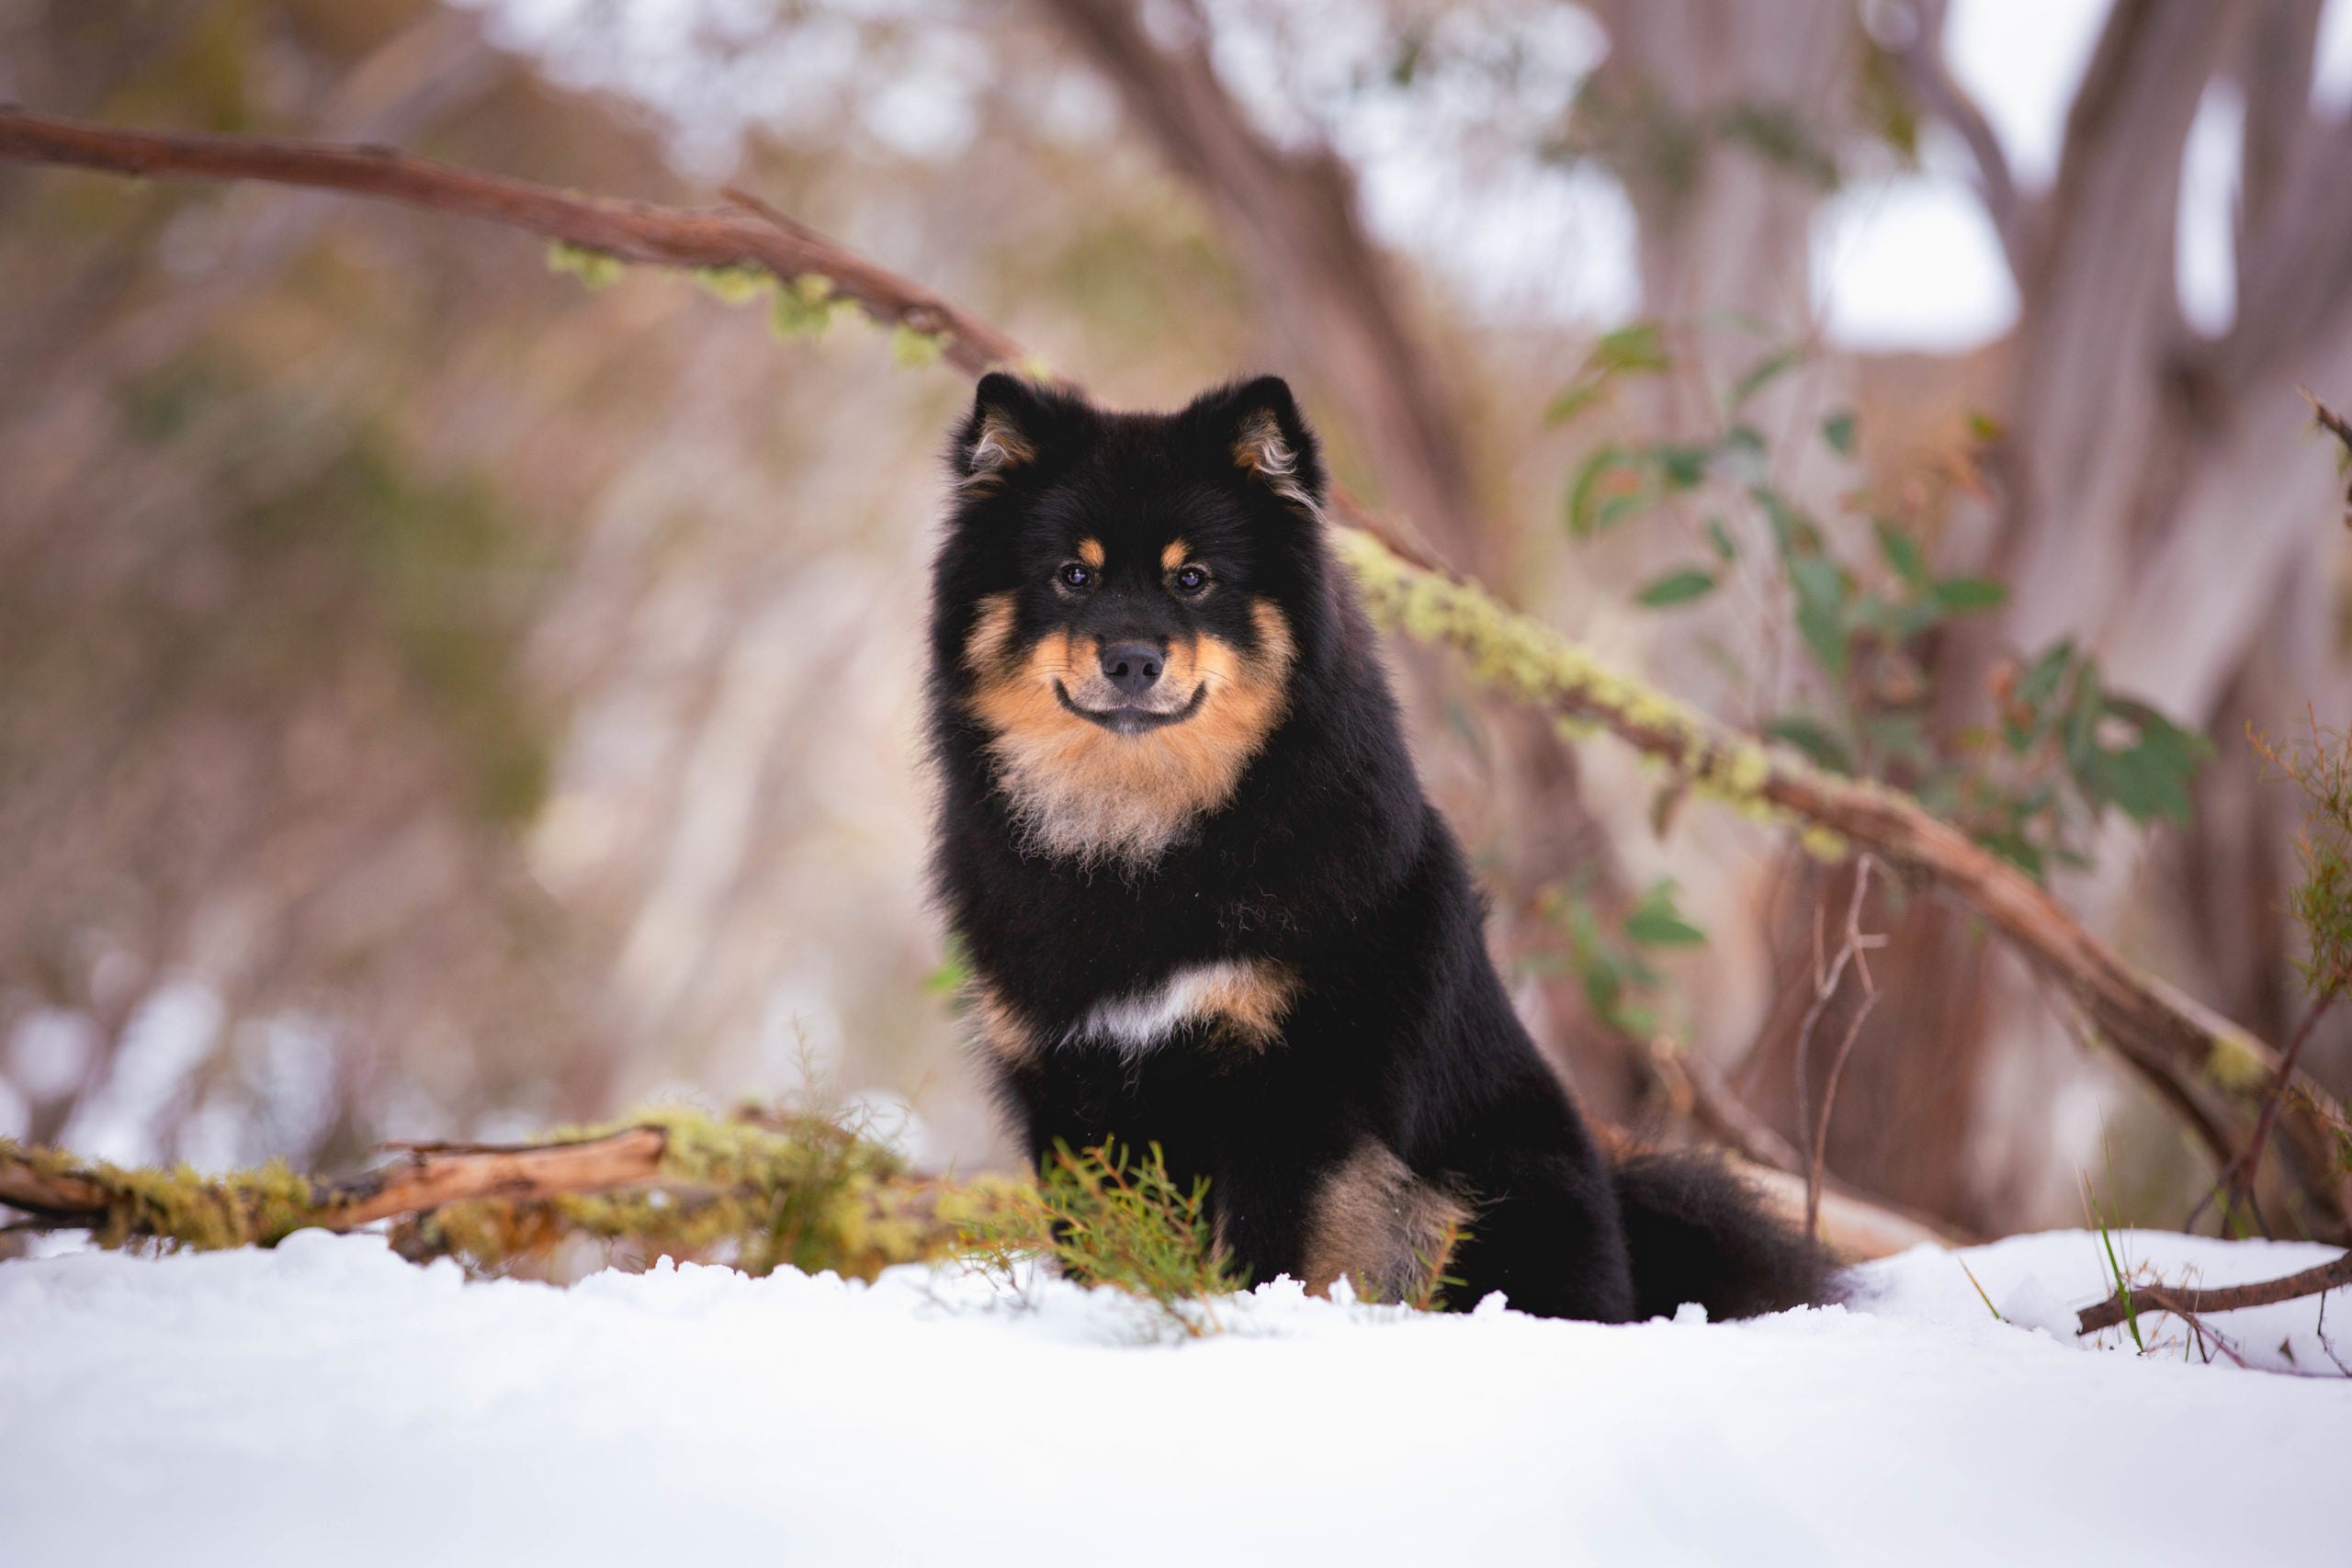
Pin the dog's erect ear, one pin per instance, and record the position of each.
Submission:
(1258, 424)
(1012, 424)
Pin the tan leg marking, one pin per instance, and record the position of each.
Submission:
(1003, 1033)
(1381, 1227)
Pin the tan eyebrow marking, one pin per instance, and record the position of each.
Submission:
(1091, 552)
(1173, 556)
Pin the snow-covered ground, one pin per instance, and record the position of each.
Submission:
(326, 1403)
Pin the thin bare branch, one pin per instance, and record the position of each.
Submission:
(1853, 1225)
(2329, 1275)
(1854, 949)
(629, 231)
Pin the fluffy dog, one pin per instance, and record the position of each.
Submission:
(1207, 905)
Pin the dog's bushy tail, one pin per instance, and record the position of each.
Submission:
(1698, 1233)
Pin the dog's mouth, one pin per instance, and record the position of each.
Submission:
(1131, 721)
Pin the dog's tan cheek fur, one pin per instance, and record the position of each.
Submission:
(1383, 1229)
(1080, 789)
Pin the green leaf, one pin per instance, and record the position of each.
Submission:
(1630, 350)
(1636, 347)
(1839, 431)
(1762, 374)
(1821, 594)
(1572, 401)
(1682, 467)
(1609, 485)
(1791, 529)
(1720, 537)
(1656, 922)
(1902, 553)
(2078, 733)
(1815, 740)
(1960, 595)
(1677, 588)
(2023, 720)
(2150, 778)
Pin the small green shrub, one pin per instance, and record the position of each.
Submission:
(1104, 1216)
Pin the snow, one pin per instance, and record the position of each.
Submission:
(328, 1403)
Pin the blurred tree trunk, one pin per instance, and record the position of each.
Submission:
(2158, 499)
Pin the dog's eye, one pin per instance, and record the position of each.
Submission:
(1075, 575)
(1190, 580)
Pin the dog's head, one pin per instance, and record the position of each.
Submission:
(1120, 600)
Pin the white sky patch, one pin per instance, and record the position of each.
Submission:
(2022, 60)
(1911, 261)
(1449, 162)
(2204, 249)
(2332, 72)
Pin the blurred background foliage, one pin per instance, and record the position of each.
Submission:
(437, 699)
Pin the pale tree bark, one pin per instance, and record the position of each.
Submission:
(2165, 504)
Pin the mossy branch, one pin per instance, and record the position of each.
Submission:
(2214, 1073)
(2210, 1071)
(713, 241)
(756, 1189)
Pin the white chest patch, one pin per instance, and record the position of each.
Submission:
(1247, 996)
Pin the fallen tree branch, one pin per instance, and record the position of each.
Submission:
(756, 1189)
(2213, 1073)
(2190, 1304)
(263, 1207)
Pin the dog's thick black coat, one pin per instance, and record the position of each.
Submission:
(1276, 972)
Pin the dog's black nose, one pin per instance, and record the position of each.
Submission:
(1132, 666)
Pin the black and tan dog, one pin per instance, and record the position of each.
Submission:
(1207, 905)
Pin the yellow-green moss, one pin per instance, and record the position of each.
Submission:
(914, 350)
(595, 270)
(736, 285)
(1531, 662)
(759, 1189)
(2236, 1063)
(806, 307)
